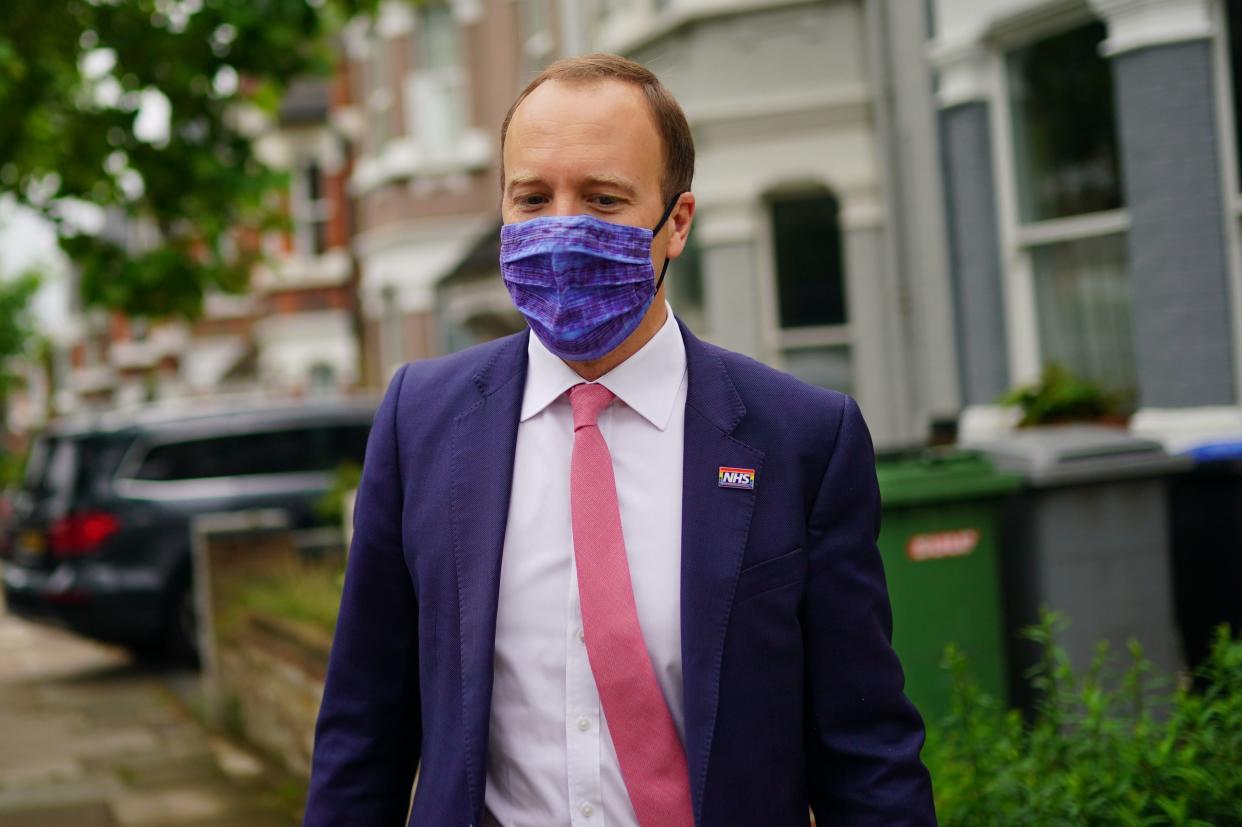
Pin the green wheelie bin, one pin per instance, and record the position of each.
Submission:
(938, 539)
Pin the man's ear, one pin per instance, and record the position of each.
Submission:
(679, 221)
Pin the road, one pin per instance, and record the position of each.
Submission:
(89, 738)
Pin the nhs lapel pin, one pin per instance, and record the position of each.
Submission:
(736, 478)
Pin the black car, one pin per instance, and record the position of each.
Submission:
(99, 535)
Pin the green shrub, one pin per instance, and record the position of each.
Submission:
(308, 593)
(330, 508)
(1059, 396)
(1101, 748)
(10, 470)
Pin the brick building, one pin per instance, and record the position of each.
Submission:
(427, 88)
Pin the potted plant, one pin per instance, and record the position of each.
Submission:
(1060, 397)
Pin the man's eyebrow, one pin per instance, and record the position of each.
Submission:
(612, 181)
(521, 181)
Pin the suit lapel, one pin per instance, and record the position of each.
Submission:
(715, 525)
(483, 442)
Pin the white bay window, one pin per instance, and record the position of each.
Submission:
(1066, 216)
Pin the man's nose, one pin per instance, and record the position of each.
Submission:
(565, 204)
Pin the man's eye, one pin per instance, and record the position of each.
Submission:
(531, 200)
(607, 200)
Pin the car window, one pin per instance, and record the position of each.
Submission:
(344, 444)
(71, 467)
(97, 460)
(293, 450)
(62, 468)
(36, 464)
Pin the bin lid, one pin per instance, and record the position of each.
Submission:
(1066, 454)
(1216, 451)
(939, 475)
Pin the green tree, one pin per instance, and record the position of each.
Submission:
(17, 339)
(79, 83)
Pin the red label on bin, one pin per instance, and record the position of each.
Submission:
(942, 544)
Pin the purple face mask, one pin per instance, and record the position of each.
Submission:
(582, 284)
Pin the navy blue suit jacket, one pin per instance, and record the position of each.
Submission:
(793, 695)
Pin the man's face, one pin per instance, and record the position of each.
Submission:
(588, 148)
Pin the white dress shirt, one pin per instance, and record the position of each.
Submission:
(550, 759)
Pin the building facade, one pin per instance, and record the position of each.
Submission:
(428, 87)
(295, 332)
(1091, 169)
(818, 246)
(922, 204)
(305, 333)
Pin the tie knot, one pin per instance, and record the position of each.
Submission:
(588, 400)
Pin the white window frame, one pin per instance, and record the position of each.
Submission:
(455, 78)
(535, 23)
(777, 339)
(1018, 238)
(378, 96)
(1231, 176)
(306, 213)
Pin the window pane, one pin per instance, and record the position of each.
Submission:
(437, 38)
(62, 470)
(825, 367)
(322, 378)
(269, 452)
(310, 211)
(97, 460)
(168, 462)
(436, 91)
(809, 272)
(36, 464)
(1065, 138)
(378, 92)
(1234, 8)
(1083, 297)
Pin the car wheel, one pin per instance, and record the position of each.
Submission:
(181, 629)
(176, 642)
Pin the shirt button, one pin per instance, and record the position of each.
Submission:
(584, 724)
(587, 810)
(581, 634)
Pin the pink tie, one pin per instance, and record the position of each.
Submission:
(652, 759)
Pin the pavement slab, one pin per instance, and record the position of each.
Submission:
(79, 815)
(89, 737)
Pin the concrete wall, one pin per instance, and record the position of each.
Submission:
(273, 675)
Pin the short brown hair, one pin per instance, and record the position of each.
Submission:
(670, 120)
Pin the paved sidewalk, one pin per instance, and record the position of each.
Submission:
(89, 739)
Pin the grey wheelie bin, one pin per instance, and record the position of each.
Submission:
(1088, 538)
(1207, 546)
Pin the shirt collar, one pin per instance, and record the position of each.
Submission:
(647, 382)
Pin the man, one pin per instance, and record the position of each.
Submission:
(607, 573)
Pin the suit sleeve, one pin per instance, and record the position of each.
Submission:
(368, 733)
(863, 734)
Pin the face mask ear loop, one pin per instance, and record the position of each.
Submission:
(663, 270)
(672, 204)
(667, 212)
